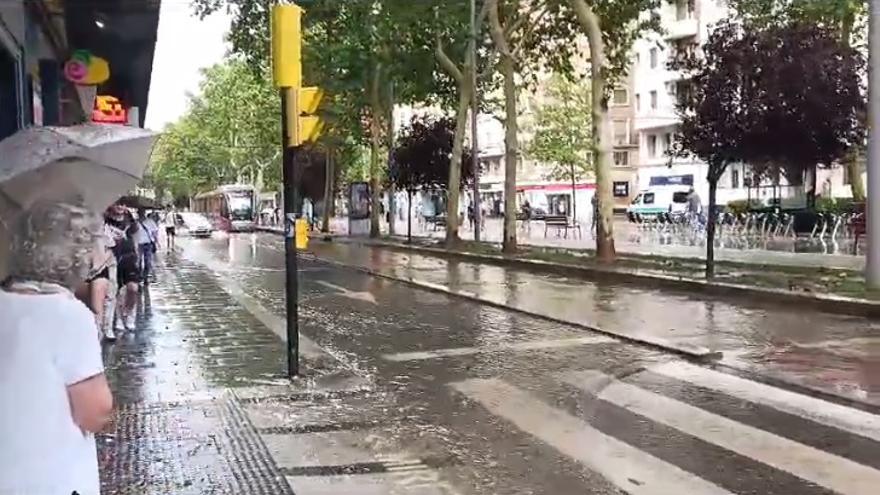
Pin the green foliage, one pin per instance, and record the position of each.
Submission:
(622, 22)
(835, 205)
(563, 129)
(230, 132)
(847, 18)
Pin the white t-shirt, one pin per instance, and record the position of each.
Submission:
(146, 232)
(47, 342)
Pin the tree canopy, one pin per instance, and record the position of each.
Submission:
(229, 133)
(423, 153)
(562, 135)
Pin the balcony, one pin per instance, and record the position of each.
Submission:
(683, 28)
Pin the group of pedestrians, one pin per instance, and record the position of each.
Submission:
(122, 261)
(73, 279)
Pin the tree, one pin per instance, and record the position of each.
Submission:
(717, 118)
(789, 95)
(354, 50)
(812, 98)
(562, 134)
(422, 157)
(229, 133)
(847, 19)
(610, 27)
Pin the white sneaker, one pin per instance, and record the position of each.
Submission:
(131, 321)
(119, 324)
(110, 335)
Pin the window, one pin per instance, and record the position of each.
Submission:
(648, 198)
(734, 178)
(684, 47)
(684, 9)
(653, 100)
(652, 145)
(638, 102)
(621, 158)
(620, 96)
(621, 131)
(669, 139)
(621, 189)
(670, 88)
(680, 197)
(653, 58)
(683, 92)
(9, 93)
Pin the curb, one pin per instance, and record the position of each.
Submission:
(696, 353)
(827, 303)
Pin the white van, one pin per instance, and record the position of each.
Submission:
(659, 200)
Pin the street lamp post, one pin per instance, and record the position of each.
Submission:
(872, 208)
(475, 107)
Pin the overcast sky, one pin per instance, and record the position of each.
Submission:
(185, 44)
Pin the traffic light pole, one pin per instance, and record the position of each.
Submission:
(291, 285)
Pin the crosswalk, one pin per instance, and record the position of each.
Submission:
(806, 466)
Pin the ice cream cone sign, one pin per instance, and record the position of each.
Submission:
(86, 71)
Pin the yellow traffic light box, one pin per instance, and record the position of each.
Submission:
(287, 45)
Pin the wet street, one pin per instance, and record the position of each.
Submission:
(411, 391)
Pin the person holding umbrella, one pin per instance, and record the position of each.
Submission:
(51, 373)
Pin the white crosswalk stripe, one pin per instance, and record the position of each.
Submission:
(638, 472)
(634, 471)
(824, 469)
(844, 418)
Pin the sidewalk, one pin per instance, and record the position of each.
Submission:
(197, 387)
(835, 354)
(630, 240)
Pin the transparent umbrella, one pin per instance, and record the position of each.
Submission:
(94, 163)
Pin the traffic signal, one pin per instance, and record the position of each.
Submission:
(287, 45)
(309, 126)
(302, 103)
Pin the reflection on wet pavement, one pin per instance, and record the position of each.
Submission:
(449, 396)
(833, 353)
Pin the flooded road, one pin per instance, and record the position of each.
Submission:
(417, 392)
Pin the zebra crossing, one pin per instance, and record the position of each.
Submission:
(742, 438)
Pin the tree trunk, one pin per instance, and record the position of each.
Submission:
(602, 138)
(511, 152)
(328, 191)
(510, 155)
(710, 230)
(391, 189)
(375, 148)
(409, 196)
(454, 187)
(852, 162)
(574, 209)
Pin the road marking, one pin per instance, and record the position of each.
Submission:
(634, 471)
(516, 346)
(844, 418)
(351, 294)
(833, 472)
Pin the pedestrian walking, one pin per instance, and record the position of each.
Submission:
(526, 213)
(145, 238)
(52, 385)
(694, 209)
(99, 290)
(594, 223)
(170, 223)
(127, 271)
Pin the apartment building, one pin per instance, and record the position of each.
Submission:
(686, 26)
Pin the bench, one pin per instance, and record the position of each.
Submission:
(437, 221)
(561, 222)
